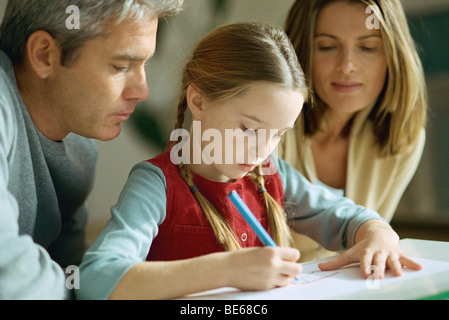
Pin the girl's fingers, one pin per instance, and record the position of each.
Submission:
(379, 264)
(289, 254)
(283, 281)
(372, 264)
(340, 261)
(289, 269)
(366, 265)
(395, 266)
(409, 263)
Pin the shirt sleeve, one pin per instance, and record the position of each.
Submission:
(318, 213)
(128, 235)
(26, 269)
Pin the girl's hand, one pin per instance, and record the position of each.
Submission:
(376, 249)
(262, 268)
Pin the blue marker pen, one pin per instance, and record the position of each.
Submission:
(251, 219)
(255, 225)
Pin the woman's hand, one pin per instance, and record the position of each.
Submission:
(376, 249)
(262, 268)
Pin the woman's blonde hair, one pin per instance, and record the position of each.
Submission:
(224, 64)
(400, 111)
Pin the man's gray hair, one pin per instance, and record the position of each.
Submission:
(24, 17)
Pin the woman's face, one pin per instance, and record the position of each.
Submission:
(349, 64)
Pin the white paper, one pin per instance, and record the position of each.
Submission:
(316, 284)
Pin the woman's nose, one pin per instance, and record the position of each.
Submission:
(346, 63)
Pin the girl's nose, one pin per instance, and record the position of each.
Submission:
(265, 145)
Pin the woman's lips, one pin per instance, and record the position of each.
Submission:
(346, 87)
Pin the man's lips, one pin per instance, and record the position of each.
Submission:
(125, 115)
(347, 87)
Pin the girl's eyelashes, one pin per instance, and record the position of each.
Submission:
(248, 131)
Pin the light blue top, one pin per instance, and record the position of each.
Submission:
(337, 192)
(312, 210)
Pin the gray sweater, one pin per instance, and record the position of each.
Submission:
(43, 189)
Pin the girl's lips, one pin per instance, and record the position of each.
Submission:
(247, 167)
(346, 87)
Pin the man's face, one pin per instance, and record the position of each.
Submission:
(100, 89)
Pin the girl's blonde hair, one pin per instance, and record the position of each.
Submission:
(401, 109)
(224, 64)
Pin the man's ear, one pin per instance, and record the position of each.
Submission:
(43, 53)
(195, 101)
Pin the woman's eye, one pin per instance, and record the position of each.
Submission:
(369, 49)
(325, 48)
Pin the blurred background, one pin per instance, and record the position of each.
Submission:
(424, 209)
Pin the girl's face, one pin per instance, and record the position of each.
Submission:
(245, 129)
(349, 64)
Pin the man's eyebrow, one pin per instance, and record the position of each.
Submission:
(129, 57)
(336, 38)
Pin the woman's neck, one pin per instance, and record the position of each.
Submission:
(335, 125)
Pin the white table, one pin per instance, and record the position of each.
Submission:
(432, 286)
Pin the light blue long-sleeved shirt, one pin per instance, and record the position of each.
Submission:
(313, 210)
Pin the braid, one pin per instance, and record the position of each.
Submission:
(223, 232)
(180, 116)
(275, 213)
(182, 107)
